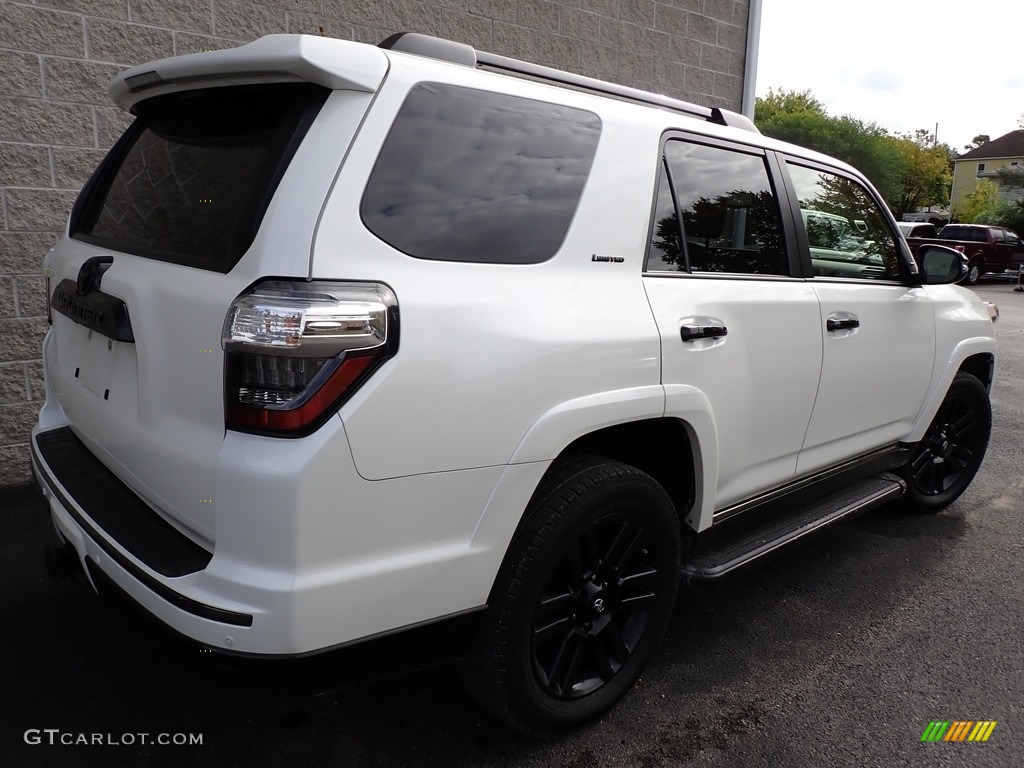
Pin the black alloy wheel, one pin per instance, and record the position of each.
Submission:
(581, 600)
(596, 606)
(946, 460)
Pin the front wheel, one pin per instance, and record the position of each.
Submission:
(582, 599)
(973, 273)
(943, 464)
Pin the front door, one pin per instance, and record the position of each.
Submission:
(878, 334)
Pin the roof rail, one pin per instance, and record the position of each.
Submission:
(460, 53)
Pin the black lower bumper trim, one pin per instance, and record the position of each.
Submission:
(117, 512)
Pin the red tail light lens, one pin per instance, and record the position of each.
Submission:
(295, 351)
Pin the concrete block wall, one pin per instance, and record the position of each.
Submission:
(56, 123)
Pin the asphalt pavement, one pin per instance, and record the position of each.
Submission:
(838, 654)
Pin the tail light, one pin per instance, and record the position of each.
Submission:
(296, 350)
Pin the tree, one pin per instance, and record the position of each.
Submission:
(924, 173)
(1003, 213)
(983, 197)
(769, 107)
(799, 118)
(909, 171)
(977, 141)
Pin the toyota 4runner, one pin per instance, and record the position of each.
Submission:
(348, 340)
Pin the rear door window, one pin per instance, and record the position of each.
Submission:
(716, 212)
(472, 176)
(190, 180)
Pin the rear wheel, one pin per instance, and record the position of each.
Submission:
(947, 459)
(582, 599)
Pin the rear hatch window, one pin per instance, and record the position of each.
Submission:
(191, 178)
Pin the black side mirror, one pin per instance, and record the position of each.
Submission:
(941, 265)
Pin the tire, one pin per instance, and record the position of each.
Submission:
(581, 600)
(973, 272)
(943, 464)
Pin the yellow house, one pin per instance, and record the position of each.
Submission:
(984, 163)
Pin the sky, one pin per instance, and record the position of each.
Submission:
(904, 65)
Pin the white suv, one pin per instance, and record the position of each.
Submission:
(347, 340)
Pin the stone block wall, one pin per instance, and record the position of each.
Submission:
(56, 122)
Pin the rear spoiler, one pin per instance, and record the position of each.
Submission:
(335, 64)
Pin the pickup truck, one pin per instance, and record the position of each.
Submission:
(988, 249)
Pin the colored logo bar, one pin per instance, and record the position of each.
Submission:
(958, 730)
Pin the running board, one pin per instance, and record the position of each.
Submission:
(750, 546)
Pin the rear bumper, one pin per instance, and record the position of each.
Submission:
(308, 556)
(107, 514)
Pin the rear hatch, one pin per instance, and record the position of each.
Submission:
(217, 183)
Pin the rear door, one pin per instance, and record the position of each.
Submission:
(735, 322)
(165, 235)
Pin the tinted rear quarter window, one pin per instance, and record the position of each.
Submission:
(190, 180)
(473, 176)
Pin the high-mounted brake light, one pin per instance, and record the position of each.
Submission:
(295, 351)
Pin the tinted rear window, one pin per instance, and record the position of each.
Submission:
(190, 180)
(467, 175)
(963, 233)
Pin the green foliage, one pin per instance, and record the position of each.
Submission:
(909, 171)
(787, 103)
(977, 141)
(988, 203)
(924, 173)
(982, 198)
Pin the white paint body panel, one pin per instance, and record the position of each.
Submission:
(874, 378)
(761, 406)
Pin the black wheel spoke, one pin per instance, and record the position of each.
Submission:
(922, 465)
(612, 636)
(600, 655)
(553, 617)
(964, 455)
(633, 602)
(624, 541)
(566, 665)
(555, 605)
(645, 580)
(962, 427)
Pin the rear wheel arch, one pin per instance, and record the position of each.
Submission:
(663, 448)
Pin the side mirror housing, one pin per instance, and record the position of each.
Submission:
(941, 265)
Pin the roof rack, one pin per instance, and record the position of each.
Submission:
(460, 53)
